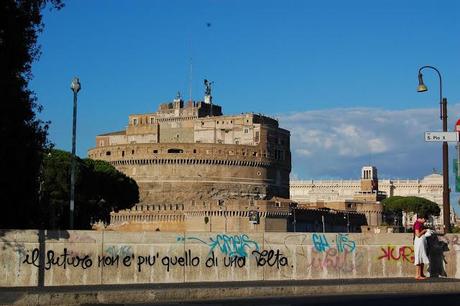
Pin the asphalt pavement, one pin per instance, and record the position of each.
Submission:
(381, 291)
(342, 300)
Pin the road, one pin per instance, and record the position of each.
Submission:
(359, 300)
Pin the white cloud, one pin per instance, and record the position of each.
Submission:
(377, 145)
(336, 143)
(303, 152)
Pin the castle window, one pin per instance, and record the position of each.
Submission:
(155, 151)
(246, 131)
(175, 151)
(135, 121)
(108, 153)
(194, 150)
(122, 153)
(132, 151)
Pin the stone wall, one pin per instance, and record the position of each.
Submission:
(31, 258)
(177, 173)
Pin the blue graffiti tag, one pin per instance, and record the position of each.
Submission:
(121, 251)
(236, 245)
(343, 243)
(320, 242)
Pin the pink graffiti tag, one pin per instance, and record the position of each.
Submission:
(334, 260)
(404, 254)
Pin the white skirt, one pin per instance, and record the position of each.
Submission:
(420, 256)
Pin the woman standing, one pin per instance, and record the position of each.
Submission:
(420, 255)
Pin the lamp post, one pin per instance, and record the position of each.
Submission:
(445, 149)
(75, 86)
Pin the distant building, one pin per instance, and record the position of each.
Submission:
(361, 197)
(332, 191)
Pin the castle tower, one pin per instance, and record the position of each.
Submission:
(200, 170)
(369, 180)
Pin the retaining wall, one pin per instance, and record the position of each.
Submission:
(51, 258)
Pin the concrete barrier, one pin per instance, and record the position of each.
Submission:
(57, 258)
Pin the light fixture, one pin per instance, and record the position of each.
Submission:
(421, 86)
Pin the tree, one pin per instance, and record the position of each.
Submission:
(100, 189)
(23, 136)
(397, 204)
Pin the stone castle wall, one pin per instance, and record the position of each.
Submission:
(191, 156)
(177, 172)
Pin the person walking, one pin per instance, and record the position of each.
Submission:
(420, 245)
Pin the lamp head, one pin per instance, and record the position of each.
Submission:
(421, 86)
(75, 86)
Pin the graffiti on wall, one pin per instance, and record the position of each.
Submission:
(335, 255)
(342, 243)
(402, 253)
(233, 250)
(335, 261)
(228, 245)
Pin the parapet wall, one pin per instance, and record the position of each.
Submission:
(50, 258)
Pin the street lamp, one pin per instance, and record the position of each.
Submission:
(445, 149)
(75, 86)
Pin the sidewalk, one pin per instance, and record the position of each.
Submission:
(161, 293)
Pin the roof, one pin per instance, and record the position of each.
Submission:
(433, 177)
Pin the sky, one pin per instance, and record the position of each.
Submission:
(340, 75)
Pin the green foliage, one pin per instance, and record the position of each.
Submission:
(456, 229)
(100, 189)
(23, 136)
(420, 206)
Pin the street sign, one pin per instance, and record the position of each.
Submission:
(441, 136)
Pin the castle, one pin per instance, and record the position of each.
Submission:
(200, 170)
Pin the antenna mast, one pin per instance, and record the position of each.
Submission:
(190, 79)
(190, 71)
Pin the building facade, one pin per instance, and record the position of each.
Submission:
(429, 187)
(194, 164)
